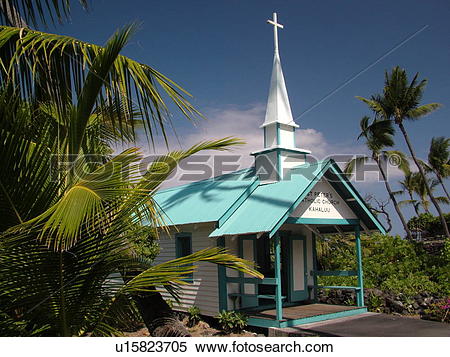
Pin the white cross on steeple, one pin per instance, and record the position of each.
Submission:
(275, 30)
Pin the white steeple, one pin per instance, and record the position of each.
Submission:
(280, 152)
(278, 107)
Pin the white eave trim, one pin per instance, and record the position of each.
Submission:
(292, 124)
(277, 147)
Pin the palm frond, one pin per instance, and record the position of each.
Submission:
(399, 159)
(20, 12)
(443, 199)
(407, 202)
(439, 156)
(28, 57)
(93, 83)
(421, 111)
(174, 272)
(353, 165)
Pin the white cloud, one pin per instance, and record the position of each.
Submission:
(244, 123)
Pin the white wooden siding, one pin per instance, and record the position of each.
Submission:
(203, 292)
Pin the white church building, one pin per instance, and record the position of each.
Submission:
(272, 214)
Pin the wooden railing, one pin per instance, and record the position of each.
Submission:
(316, 273)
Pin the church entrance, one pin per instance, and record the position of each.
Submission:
(293, 267)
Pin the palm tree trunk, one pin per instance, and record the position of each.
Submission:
(422, 173)
(442, 184)
(394, 200)
(158, 316)
(412, 199)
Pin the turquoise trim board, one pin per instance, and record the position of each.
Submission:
(265, 281)
(222, 280)
(298, 220)
(278, 134)
(279, 169)
(314, 252)
(317, 318)
(278, 298)
(360, 291)
(335, 273)
(265, 138)
(259, 322)
(338, 287)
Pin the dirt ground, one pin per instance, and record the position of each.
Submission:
(202, 329)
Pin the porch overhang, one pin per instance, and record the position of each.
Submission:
(276, 202)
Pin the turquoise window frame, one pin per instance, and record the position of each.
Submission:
(179, 253)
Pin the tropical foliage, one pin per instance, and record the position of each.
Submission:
(417, 186)
(71, 255)
(36, 12)
(232, 321)
(429, 224)
(400, 102)
(390, 263)
(439, 160)
(379, 135)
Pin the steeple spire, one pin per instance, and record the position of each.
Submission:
(280, 153)
(278, 107)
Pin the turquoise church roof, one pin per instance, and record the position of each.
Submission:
(238, 203)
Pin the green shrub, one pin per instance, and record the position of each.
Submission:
(391, 264)
(410, 285)
(428, 222)
(375, 303)
(194, 316)
(232, 321)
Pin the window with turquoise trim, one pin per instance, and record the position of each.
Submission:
(183, 247)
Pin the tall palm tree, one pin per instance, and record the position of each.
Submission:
(400, 101)
(439, 160)
(379, 135)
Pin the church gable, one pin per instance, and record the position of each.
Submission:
(323, 202)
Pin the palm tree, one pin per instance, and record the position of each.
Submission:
(408, 185)
(69, 236)
(401, 101)
(378, 136)
(420, 190)
(439, 160)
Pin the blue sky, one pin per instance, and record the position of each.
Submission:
(221, 52)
